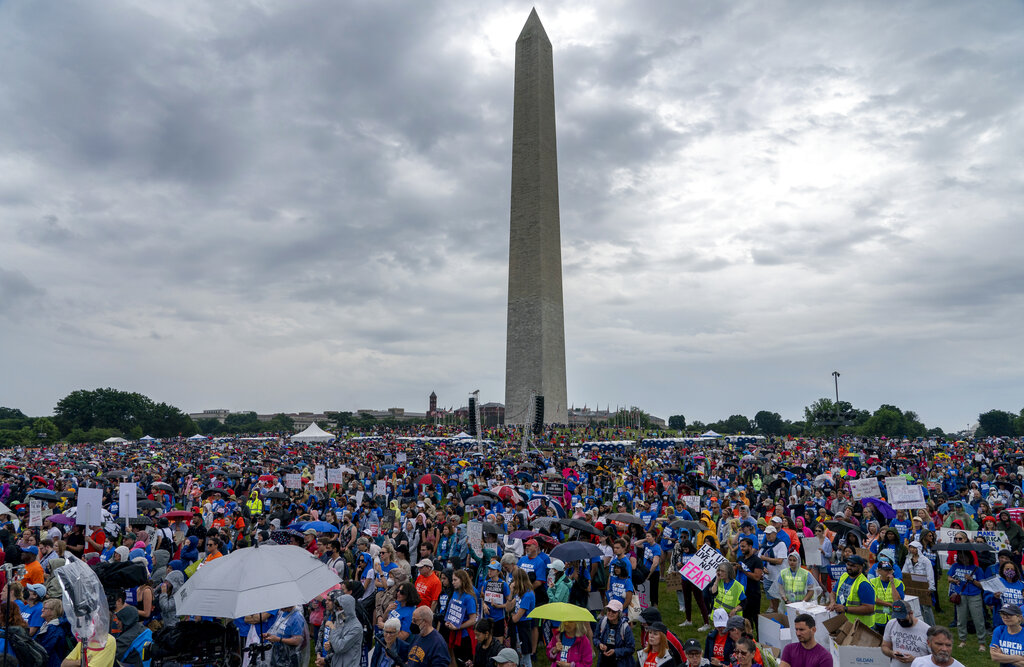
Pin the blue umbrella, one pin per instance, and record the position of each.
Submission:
(885, 508)
(944, 508)
(320, 527)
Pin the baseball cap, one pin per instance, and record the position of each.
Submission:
(691, 646)
(916, 544)
(309, 531)
(507, 655)
(426, 562)
(557, 565)
(40, 591)
(33, 549)
(658, 626)
(531, 541)
(776, 518)
(884, 564)
(856, 560)
(720, 618)
(899, 609)
(494, 565)
(614, 605)
(770, 529)
(1007, 609)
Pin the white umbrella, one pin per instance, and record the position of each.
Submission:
(254, 580)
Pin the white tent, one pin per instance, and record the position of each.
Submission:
(197, 436)
(711, 434)
(461, 436)
(115, 439)
(313, 433)
(146, 438)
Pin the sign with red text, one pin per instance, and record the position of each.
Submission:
(702, 567)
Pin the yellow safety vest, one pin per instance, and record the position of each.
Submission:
(728, 597)
(255, 506)
(794, 584)
(884, 594)
(852, 598)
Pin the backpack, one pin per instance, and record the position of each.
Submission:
(28, 652)
(640, 573)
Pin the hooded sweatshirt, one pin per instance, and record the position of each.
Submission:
(347, 636)
(130, 630)
(168, 607)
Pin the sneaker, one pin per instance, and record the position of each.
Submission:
(704, 628)
(685, 624)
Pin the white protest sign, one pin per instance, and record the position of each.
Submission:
(693, 502)
(993, 585)
(865, 488)
(475, 535)
(359, 498)
(373, 523)
(402, 457)
(909, 497)
(90, 507)
(293, 480)
(334, 476)
(380, 487)
(319, 477)
(35, 512)
(892, 482)
(812, 551)
(702, 567)
(127, 500)
(995, 538)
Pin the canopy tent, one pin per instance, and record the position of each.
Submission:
(197, 436)
(115, 439)
(313, 433)
(711, 434)
(461, 436)
(146, 438)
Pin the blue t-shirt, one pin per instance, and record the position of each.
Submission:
(460, 607)
(650, 551)
(1007, 643)
(33, 614)
(618, 587)
(495, 594)
(960, 572)
(527, 603)
(538, 566)
(1014, 595)
(404, 616)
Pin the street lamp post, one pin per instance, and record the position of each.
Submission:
(835, 375)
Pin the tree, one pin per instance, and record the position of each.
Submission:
(120, 410)
(737, 424)
(12, 413)
(769, 423)
(996, 423)
(46, 432)
(677, 423)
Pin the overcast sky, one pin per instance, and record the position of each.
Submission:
(285, 206)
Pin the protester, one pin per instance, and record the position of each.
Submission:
(805, 651)
(940, 647)
(905, 637)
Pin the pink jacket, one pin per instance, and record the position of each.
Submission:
(580, 655)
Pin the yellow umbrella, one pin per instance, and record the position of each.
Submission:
(562, 611)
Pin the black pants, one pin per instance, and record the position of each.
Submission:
(653, 582)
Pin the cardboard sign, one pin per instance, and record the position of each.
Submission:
(127, 500)
(319, 477)
(90, 507)
(334, 476)
(475, 535)
(907, 497)
(702, 568)
(865, 488)
(996, 538)
(293, 480)
(35, 512)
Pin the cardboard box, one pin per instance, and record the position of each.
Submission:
(673, 581)
(845, 632)
(857, 656)
(820, 614)
(773, 630)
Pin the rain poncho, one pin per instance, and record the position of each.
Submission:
(347, 636)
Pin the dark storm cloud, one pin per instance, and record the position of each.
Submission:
(253, 193)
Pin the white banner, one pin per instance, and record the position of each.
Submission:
(475, 535)
(334, 476)
(127, 500)
(865, 488)
(996, 538)
(909, 497)
(319, 477)
(293, 480)
(35, 512)
(702, 567)
(90, 507)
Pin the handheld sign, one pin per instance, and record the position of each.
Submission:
(908, 497)
(475, 535)
(865, 488)
(35, 512)
(90, 507)
(293, 481)
(700, 570)
(127, 500)
(334, 476)
(319, 477)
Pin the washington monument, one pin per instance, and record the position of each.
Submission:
(535, 346)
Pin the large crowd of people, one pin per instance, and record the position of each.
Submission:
(443, 547)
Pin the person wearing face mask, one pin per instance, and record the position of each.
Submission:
(1010, 577)
(917, 564)
(905, 637)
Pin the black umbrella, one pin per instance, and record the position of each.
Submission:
(842, 526)
(580, 525)
(479, 500)
(524, 476)
(672, 471)
(210, 492)
(276, 495)
(570, 551)
(776, 485)
(149, 505)
(42, 494)
(701, 484)
(543, 522)
(622, 517)
(492, 494)
(491, 529)
(116, 474)
(964, 546)
(140, 521)
(163, 486)
(683, 524)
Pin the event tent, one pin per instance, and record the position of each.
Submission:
(115, 439)
(197, 436)
(313, 433)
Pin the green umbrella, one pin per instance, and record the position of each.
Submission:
(562, 611)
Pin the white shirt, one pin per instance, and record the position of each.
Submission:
(926, 661)
(912, 640)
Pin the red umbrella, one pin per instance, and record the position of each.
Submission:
(39, 478)
(268, 478)
(430, 480)
(10, 467)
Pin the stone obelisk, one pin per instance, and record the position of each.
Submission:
(535, 347)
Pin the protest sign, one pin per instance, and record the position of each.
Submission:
(996, 538)
(693, 502)
(812, 551)
(35, 512)
(891, 482)
(293, 480)
(127, 500)
(389, 521)
(456, 614)
(702, 568)
(554, 489)
(402, 457)
(475, 535)
(334, 476)
(865, 488)
(908, 497)
(90, 507)
(359, 498)
(373, 523)
(380, 488)
(319, 477)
